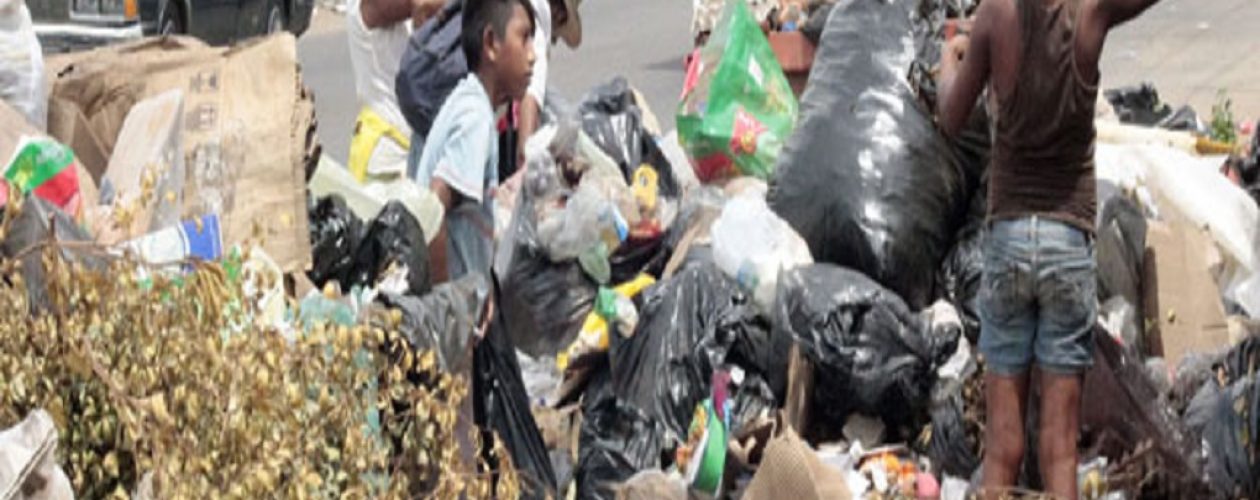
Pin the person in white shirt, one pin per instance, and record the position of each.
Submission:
(377, 31)
(557, 20)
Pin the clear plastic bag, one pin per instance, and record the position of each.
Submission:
(752, 245)
(22, 64)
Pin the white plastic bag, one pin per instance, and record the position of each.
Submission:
(22, 64)
(1174, 183)
(753, 245)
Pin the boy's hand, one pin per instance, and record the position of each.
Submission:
(422, 10)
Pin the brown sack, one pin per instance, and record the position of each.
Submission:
(791, 469)
(247, 128)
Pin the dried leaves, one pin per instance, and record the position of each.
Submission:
(154, 377)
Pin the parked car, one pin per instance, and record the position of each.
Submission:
(63, 25)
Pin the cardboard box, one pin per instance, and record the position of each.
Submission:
(247, 129)
(1183, 303)
(800, 390)
(67, 124)
(796, 56)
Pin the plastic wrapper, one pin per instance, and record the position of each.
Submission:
(616, 441)
(601, 209)
(696, 322)
(443, 320)
(873, 352)
(752, 245)
(866, 179)
(737, 109)
(47, 168)
(501, 406)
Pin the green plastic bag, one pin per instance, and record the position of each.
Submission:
(737, 108)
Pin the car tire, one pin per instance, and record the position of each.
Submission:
(276, 21)
(171, 23)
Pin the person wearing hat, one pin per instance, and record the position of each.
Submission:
(557, 20)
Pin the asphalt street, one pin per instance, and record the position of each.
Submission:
(642, 40)
(1190, 50)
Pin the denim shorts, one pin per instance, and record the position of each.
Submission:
(1037, 297)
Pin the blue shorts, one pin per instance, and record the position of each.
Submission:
(1037, 297)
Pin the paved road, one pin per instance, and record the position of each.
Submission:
(644, 40)
(1188, 48)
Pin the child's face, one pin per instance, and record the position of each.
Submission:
(515, 61)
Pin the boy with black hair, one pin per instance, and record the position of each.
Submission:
(460, 156)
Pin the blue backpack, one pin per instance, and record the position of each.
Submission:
(431, 67)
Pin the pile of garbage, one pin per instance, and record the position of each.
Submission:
(778, 301)
(163, 334)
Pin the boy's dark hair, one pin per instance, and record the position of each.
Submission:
(478, 14)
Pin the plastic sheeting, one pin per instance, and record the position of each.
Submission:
(866, 179)
(872, 355)
(690, 326)
(1120, 253)
(443, 320)
(501, 406)
(38, 222)
(345, 251)
(616, 441)
(1190, 187)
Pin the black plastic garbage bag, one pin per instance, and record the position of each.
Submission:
(871, 354)
(616, 440)
(1230, 447)
(393, 238)
(545, 302)
(1121, 251)
(501, 406)
(950, 444)
(867, 179)
(611, 118)
(960, 275)
(1121, 408)
(687, 329)
(335, 236)
(38, 222)
(443, 320)
(1140, 105)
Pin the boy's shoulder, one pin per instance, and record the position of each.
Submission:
(469, 96)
